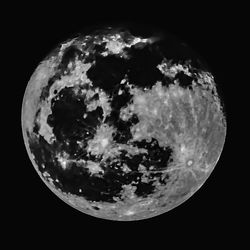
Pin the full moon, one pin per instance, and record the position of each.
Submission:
(121, 125)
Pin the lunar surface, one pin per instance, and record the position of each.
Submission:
(123, 126)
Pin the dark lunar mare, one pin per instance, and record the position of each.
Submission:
(68, 126)
(142, 68)
(107, 72)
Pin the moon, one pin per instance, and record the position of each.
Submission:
(121, 126)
